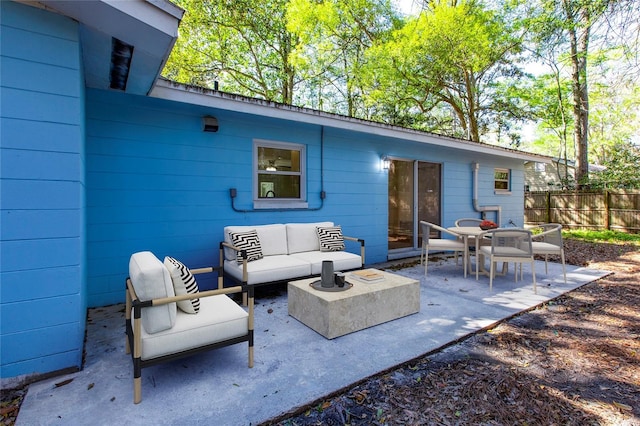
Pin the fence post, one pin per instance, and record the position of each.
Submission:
(607, 210)
(548, 212)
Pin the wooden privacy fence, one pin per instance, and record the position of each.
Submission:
(616, 210)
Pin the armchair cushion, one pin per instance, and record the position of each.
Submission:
(183, 283)
(219, 319)
(330, 238)
(248, 241)
(151, 280)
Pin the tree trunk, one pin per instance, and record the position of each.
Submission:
(579, 37)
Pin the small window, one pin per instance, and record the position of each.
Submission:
(541, 167)
(279, 174)
(501, 179)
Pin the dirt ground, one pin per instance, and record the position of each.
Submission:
(572, 361)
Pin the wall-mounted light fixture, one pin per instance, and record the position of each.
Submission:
(386, 162)
(209, 124)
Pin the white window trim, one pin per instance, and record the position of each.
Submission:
(281, 203)
(508, 180)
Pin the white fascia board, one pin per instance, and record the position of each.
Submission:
(169, 90)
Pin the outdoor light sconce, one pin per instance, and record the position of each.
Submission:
(210, 124)
(386, 163)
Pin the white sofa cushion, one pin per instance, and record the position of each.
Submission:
(220, 318)
(273, 239)
(249, 242)
(330, 238)
(269, 268)
(183, 282)
(303, 237)
(342, 260)
(151, 280)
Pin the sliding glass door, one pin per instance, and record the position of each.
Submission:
(414, 195)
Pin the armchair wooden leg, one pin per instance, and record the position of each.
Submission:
(137, 390)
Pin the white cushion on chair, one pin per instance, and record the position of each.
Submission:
(151, 280)
(303, 237)
(540, 247)
(220, 318)
(269, 268)
(342, 260)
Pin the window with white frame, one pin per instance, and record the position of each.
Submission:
(279, 172)
(501, 179)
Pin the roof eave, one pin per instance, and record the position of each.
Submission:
(170, 90)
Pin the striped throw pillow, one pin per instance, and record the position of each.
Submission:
(183, 283)
(330, 238)
(248, 241)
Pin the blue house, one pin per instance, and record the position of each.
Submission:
(101, 158)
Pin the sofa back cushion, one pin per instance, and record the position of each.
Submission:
(303, 237)
(151, 280)
(273, 239)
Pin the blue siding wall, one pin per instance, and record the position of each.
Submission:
(42, 247)
(156, 181)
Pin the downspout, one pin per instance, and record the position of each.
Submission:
(483, 209)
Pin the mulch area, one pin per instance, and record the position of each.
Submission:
(572, 361)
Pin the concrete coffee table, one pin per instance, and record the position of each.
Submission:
(334, 314)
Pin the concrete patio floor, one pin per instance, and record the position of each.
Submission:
(294, 365)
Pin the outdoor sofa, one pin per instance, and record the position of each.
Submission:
(273, 253)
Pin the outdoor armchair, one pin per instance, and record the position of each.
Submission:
(507, 245)
(456, 244)
(549, 241)
(168, 318)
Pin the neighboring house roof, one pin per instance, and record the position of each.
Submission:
(195, 95)
(572, 164)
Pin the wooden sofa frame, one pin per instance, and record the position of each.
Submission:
(133, 326)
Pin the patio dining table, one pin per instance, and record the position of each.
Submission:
(468, 233)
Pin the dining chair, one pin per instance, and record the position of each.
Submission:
(549, 242)
(471, 240)
(507, 245)
(456, 244)
(468, 222)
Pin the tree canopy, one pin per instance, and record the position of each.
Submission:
(456, 68)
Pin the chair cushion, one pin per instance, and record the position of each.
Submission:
(220, 318)
(540, 247)
(303, 237)
(183, 283)
(151, 280)
(248, 241)
(330, 238)
(505, 252)
(342, 260)
(270, 268)
(273, 238)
